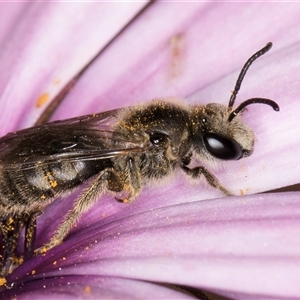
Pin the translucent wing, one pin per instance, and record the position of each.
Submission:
(90, 137)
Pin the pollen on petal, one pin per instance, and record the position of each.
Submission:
(57, 81)
(87, 289)
(177, 49)
(42, 99)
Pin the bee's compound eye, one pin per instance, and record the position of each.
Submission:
(222, 147)
(158, 138)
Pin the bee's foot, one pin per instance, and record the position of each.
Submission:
(45, 248)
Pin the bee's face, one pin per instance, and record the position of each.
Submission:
(215, 136)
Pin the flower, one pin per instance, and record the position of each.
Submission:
(239, 247)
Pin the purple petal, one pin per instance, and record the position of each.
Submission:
(213, 245)
(184, 57)
(60, 39)
(95, 287)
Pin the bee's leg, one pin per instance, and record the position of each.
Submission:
(30, 234)
(81, 205)
(10, 230)
(132, 182)
(211, 179)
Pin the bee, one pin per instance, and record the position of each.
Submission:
(116, 151)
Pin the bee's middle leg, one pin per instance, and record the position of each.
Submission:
(85, 200)
(131, 182)
(108, 179)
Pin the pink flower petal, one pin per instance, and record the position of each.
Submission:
(95, 287)
(211, 245)
(59, 40)
(179, 58)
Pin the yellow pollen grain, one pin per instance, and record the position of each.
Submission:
(57, 81)
(53, 183)
(43, 250)
(54, 263)
(43, 197)
(42, 99)
(2, 281)
(32, 272)
(87, 289)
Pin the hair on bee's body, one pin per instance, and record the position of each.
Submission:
(117, 151)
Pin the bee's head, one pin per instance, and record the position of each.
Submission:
(221, 132)
(218, 130)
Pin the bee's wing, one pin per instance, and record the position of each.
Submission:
(90, 137)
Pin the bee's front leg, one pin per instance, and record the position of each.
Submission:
(210, 178)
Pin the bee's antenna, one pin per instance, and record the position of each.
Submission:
(273, 104)
(244, 71)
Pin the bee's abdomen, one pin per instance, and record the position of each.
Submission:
(35, 186)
